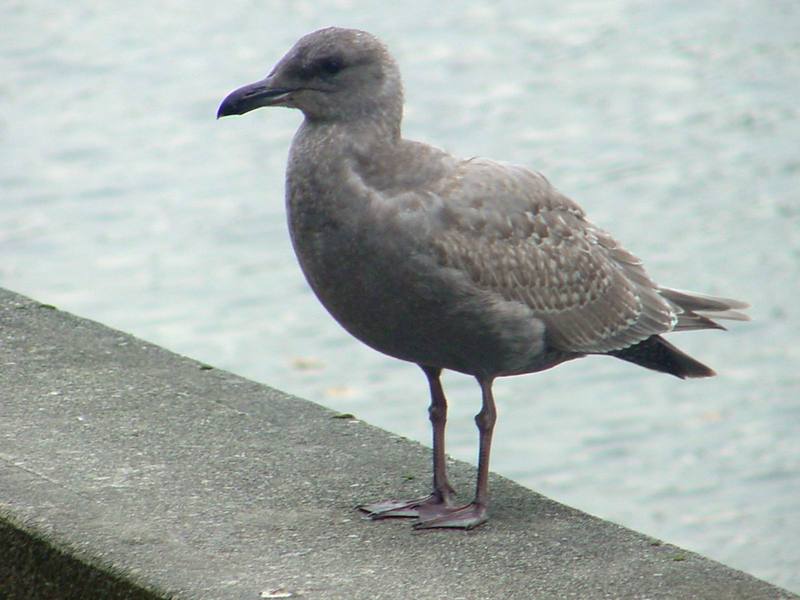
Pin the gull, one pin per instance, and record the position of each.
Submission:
(476, 266)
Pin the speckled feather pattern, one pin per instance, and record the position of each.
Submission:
(515, 235)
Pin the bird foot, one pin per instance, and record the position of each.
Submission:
(419, 508)
(462, 517)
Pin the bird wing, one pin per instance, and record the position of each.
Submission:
(513, 234)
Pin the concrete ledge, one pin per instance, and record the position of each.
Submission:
(32, 567)
(127, 471)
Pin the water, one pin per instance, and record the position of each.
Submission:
(675, 124)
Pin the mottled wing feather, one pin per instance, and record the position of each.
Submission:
(512, 233)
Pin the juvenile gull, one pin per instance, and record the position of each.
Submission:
(471, 265)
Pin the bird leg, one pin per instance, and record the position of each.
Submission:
(442, 494)
(437, 413)
(472, 514)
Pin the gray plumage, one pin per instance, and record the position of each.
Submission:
(471, 265)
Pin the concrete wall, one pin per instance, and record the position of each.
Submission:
(127, 471)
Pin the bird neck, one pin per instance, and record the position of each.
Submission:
(357, 137)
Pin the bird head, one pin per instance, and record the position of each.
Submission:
(332, 74)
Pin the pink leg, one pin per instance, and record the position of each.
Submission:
(472, 514)
(442, 494)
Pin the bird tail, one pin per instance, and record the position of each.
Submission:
(658, 354)
(697, 311)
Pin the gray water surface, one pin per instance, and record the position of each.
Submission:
(675, 124)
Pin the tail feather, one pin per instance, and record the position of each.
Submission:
(698, 311)
(694, 311)
(658, 354)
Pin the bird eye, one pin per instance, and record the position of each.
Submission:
(330, 65)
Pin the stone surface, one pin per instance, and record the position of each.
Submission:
(126, 468)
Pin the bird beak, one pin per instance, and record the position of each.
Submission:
(252, 96)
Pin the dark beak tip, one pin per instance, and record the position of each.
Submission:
(252, 96)
(226, 108)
